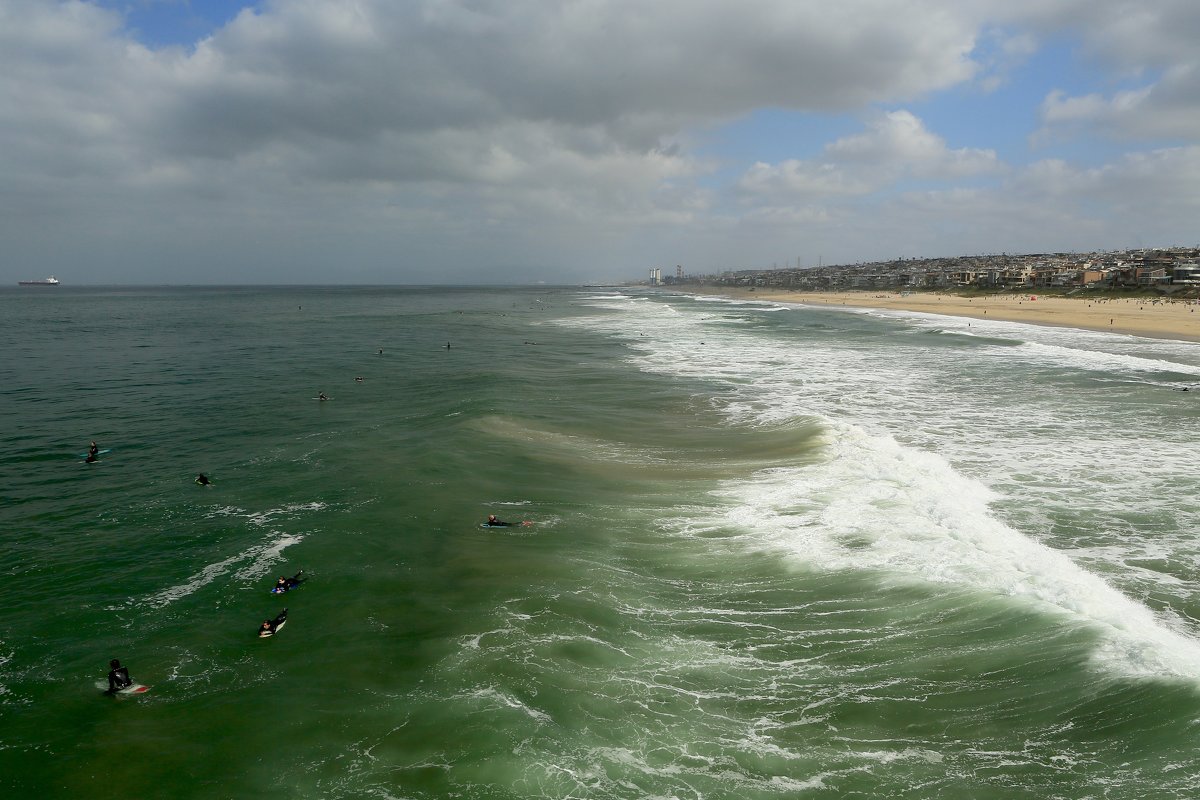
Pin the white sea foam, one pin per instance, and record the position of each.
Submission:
(496, 698)
(921, 510)
(878, 506)
(5, 658)
(260, 557)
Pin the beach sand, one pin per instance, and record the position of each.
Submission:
(1141, 316)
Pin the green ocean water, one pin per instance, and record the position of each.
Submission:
(773, 552)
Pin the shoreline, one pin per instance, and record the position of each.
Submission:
(1153, 318)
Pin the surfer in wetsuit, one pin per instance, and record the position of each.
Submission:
(269, 626)
(118, 677)
(203, 480)
(93, 450)
(284, 584)
(492, 522)
(321, 396)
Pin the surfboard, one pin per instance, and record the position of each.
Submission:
(134, 688)
(98, 452)
(506, 525)
(322, 398)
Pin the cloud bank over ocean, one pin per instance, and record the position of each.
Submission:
(461, 142)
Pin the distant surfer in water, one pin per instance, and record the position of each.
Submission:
(203, 480)
(93, 450)
(118, 677)
(321, 396)
(492, 522)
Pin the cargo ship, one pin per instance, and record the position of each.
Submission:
(51, 281)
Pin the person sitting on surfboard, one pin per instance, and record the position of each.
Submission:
(93, 450)
(202, 479)
(321, 396)
(118, 677)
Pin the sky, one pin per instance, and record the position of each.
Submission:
(584, 141)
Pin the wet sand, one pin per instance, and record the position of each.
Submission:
(1142, 316)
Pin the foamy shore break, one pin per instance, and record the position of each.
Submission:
(1160, 318)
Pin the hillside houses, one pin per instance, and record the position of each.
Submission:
(1166, 270)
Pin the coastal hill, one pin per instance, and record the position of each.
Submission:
(1165, 271)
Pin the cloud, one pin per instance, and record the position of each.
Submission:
(895, 146)
(1166, 109)
(424, 139)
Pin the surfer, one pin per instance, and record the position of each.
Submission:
(321, 396)
(358, 379)
(118, 677)
(203, 480)
(492, 522)
(269, 626)
(286, 584)
(93, 450)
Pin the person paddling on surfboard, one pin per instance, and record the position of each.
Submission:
(286, 584)
(270, 626)
(492, 522)
(118, 677)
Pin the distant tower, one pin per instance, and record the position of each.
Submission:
(678, 272)
(655, 276)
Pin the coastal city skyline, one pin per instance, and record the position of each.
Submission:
(218, 142)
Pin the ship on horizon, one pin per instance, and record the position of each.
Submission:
(51, 281)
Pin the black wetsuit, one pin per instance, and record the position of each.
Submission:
(119, 679)
(286, 584)
(273, 625)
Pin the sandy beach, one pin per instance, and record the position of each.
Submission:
(1141, 316)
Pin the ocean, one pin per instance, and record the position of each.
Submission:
(773, 551)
